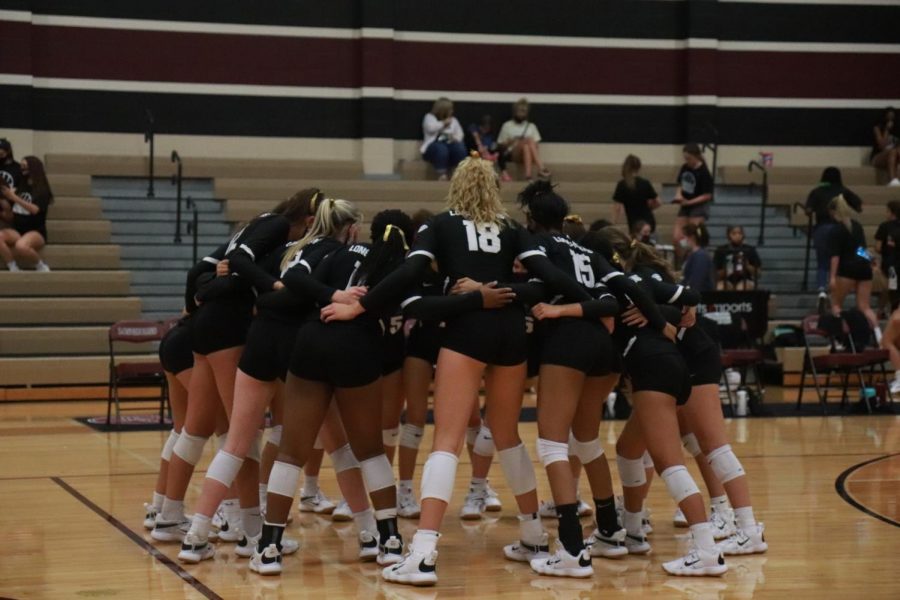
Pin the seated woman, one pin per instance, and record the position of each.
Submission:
(885, 154)
(697, 271)
(737, 264)
(443, 138)
(28, 234)
(518, 140)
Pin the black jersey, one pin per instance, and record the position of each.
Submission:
(11, 175)
(247, 247)
(23, 220)
(201, 273)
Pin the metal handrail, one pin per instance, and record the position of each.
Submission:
(765, 198)
(193, 227)
(176, 181)
(714, 146)
(149, 137)
(809, 237)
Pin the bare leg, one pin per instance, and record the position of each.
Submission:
(28, 246)
(417, 375)
(392, 406)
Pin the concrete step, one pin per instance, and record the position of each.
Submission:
(70, 184)
(182, 251)
(64, 283)
(48, 340)
(146, 290)
(151, 277)
(82, 256)
(76, 309)
(168, 228)
(166, 239)
(61, 370)
(164, 205)
(172, 304)
(160, 315)
(153, 264)
(73, 207)
(93, 231)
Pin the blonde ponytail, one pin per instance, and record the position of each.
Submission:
(475, 192)
(331, 216)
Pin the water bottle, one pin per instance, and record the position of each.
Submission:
(892, 279)
(743, 399)
(867, 393)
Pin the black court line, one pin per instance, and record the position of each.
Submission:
(152, 550)
(840, 487)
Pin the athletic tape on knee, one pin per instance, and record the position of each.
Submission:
(679, 483)
(253, 452)
(550, 452)
(518, 469)
(219, 441)
(691, 444)
(411, 436)
(438, 476)
(587, 452)
(189, 448)
(472, 435)
(275, 435)
(647, 460)
(224, 468)
(631, 471)
(725, 464)
(284, 479)
(377, 473)
(169, 446)
(389, 437)
(484, 443)
(318, 445)
(342, 459)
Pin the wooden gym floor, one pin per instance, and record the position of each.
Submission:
(71, 499)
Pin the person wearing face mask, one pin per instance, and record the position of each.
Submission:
(737, 264)
(643, 232)
(518, 141)
(634, 196)
(697, 271)
(694, 193)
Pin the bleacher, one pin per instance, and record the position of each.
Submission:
(53, 325)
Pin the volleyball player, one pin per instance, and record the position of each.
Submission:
(475, 238)
(219, 330)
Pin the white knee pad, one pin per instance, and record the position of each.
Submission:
(550, 452)
(484, 443)
(587, 452)
(219, 441)
(518, 469)
(189, 448)
(679, 483)
(472, 435)
(284, 479)
(253, 452)
(318, 445)
(377, 473)
(411, 436)
(169, 446)
(438, 476)
(224, 468)
(725, 464)
(691, 444)
(275, 435)
(631, 471)
(647, 460)
(342, 459)
(389, 437)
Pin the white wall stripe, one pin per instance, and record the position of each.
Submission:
(808, 47)
(168, 87)
(19, 16)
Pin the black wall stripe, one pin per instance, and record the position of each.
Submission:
(74, 110)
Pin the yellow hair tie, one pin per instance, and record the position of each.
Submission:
(616, 258)
(312, 202)
(387, 234)
(474, 154)
(633, 244)
(574, 219)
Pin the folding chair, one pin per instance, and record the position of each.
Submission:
(135, 374)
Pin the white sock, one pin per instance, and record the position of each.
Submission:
(263, 494)
(703, 537)
(12, 266)
(405, 486)
(232, 511)
(878, 335)
(744, 517)
(310, 486)
(251, 521)
(577, 489)
(425, 541)
(531, 531)
(40, 264)
(365, 521)
(634, 522)
(158, 500)
(478, 484)
(200, 526)
(172, 510)
(719, 503)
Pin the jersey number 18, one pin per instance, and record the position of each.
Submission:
(484, 237)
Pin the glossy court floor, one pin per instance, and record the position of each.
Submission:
(71, 510)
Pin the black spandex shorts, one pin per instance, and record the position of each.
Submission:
(393, 344)
(705, 367)
(860, 270)
(578, 344)
(267, 353)
(424, 341)
(342, 354)
(494, 337)
(534, 344)
(175, 349)
(218, 325)
(665, 373)
(696, 211)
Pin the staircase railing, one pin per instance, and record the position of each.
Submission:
(176, 181)
(765, 198)
(193, 227)
(713, 146)
(809, 239)
(149, 136)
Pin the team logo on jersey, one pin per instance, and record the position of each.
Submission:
(688, 183)
(7, 178)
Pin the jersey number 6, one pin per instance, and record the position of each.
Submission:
(484, 237)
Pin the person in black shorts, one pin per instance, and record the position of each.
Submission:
(30, 196)
(851, 263)
(635, 196)
(694, 193)
(660, 381)
(887, 240)
(474, 239)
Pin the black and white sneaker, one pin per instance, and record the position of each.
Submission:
(391, 552)
(416, 568)
(636, 544)
(246, 546)
(612, 546)
(267, 562)
(522, 552)
(368, 546)
(745, 541)
(150, 513)
(194, 550)
(697, 563)
(170, 531)
(563, 564)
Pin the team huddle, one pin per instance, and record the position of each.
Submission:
(299, 318)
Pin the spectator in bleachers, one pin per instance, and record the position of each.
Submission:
(642, 232)
(817, 202)
(694, 193)
(851, 264)
(443, 138)
(697, 270)
(518, 140)
(887, 238)
(885, 151)
(483, 139)
(573, 226)
(28, 234)
(634, 196)
(737, 264)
